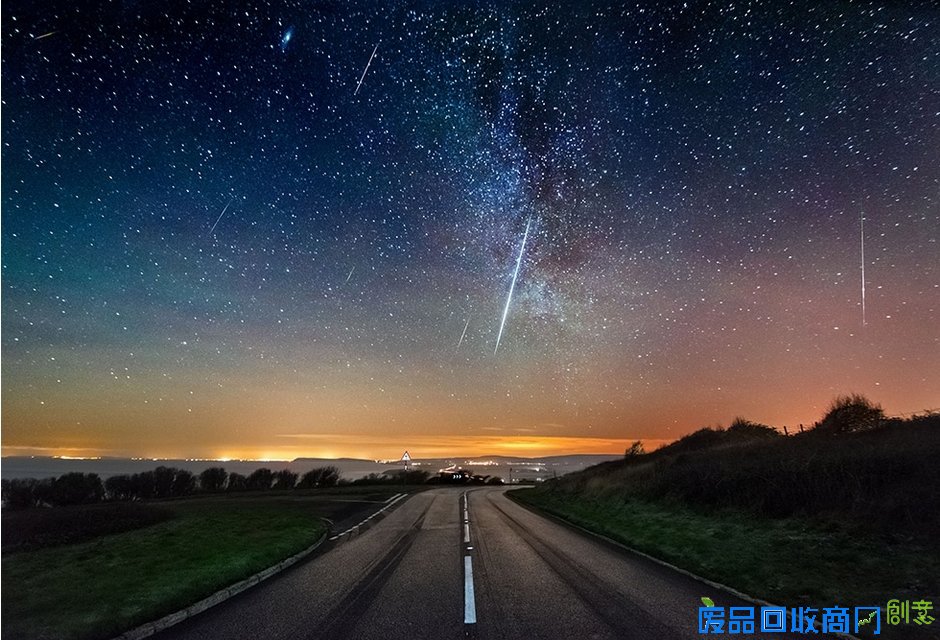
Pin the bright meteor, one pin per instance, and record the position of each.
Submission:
(515, 274)
(220, 217)
(864, 323)
(460, 342)
(366, 70)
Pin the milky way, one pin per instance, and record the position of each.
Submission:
(694, 174)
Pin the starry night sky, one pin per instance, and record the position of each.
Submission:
(217, 242)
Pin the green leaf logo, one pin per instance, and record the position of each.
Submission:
(708, 602)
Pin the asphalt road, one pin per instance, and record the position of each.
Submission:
(420, 573)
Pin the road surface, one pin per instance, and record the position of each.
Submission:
(420, 573)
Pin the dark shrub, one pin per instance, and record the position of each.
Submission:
(285, 479)
(260, 479)
(120, 487)
(742, 429)
(851, 413)
(163, 478)
(635, 449)
(76, 488)
(143, 485)
(184, 483)
(19, 493)
(237, 482)
(319, 478)
(213, 479)
(416, 476)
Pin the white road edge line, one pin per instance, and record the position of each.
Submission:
(466, 532)
(469, 605)
(391, 501)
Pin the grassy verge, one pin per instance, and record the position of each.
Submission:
(37, 528)
(789, 561)
(101, 587)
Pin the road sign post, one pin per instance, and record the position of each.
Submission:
(405, 461)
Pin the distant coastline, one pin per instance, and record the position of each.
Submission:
(350, 468)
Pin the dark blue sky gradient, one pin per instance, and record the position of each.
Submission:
(694, 177)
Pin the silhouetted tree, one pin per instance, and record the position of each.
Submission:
(76, 488)
(237, 482)
(120, 487)
(260, 479)
(319, 478)
(851, 413)
(184, 483)
(19, 493)
(143, 485)
(285, 479)
(635, 449)
(163, 481)
(213, 479)
(43, 491)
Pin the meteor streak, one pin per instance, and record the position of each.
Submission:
(366, 70)
(460, 342)
(220, 216)
(512, 286)
(864, 323)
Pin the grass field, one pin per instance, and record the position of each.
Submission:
(788, 561)
(814, 519)
(38, 528)
(885, 479)
(101, 587)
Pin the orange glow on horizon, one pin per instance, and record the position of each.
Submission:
(366, 448)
